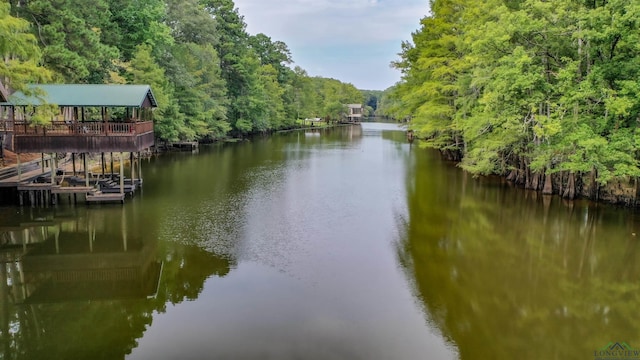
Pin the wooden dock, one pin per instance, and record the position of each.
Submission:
(127, 131)
(30, 171)
(185, 146)
(57, 189)
(46, 192)
(98, 196)
(24, 186)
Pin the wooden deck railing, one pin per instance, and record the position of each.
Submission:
(6, 125)
(60, 128)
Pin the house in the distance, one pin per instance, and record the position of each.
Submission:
(355, 113)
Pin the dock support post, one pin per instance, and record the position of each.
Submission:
(132, 163)
(19, 168)
(73, 159)
(121, 173)
(102, 163)
(111, 154)
(42, 162)
(53, 170)
(86, 171)
(139, 168)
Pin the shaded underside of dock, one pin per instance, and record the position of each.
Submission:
(46, 180)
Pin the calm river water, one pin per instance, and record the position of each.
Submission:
(345, 243)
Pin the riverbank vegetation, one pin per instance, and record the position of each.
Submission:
(210, 77)
(543, 92)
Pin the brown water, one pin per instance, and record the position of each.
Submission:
(345, 243)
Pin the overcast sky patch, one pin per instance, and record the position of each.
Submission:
(350, 40)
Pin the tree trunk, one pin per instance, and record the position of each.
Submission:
(533, 184)
(527, 175)
(570, 191)
(548, 185)
(593, 185)
(637, 185)
(521, 178)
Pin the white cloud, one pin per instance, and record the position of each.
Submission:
(328, 28)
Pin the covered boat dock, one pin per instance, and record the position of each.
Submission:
(80, 120)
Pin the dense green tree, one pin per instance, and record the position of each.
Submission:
(372, 98)
(136, 23)
(169, 122)
(528, 89)
(239, 64)
(273, 108)
(274, 53)
(202, 97)
(210, 77)
(70, 34)
(189, 23)
(19, 52)
(302, 98)
(389, 104)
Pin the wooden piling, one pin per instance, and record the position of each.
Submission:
(132, 165)
(121, 173)
(53, 170)
(140, 168)
(19, 168)
(86, 170)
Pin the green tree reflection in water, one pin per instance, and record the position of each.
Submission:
(505, 273)
(191, 230)
(84, 284)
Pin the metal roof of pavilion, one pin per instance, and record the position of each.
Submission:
(89, 95)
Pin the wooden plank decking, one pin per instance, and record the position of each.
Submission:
(101, 197)
(31, 170)
(57, 189)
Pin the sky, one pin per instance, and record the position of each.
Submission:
(353, 41)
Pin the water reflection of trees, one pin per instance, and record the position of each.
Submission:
(505, 273)
(85, 283)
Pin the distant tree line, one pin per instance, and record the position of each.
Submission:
(210, 77)
(380, 104)
(546, 93)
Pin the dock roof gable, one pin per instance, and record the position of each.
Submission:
(87, 95)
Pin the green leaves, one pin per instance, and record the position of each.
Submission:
(71, 36)
(209, 76)
(20, 52)
(551, 83)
